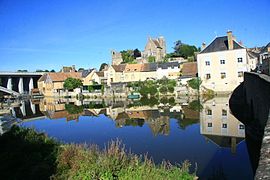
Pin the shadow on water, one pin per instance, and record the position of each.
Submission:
(254, 116)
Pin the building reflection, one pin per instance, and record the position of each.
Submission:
(216, 122)
(219, 126)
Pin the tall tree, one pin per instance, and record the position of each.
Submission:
(103, 66)
(137, 53)
(184, 50)
(72, 83)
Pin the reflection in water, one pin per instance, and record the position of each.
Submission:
(219, 126)
(176, 130)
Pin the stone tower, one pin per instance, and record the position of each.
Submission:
(116, 57)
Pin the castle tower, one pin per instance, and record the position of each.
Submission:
(116, 57)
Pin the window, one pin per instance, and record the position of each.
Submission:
(223, 75)
(240, 74)
(209, 125)
(222, 61)
(241, 126)
(207, 63)
(208, 76)
(224, 112)
(224, 125)
(209, 112)
(240, 60)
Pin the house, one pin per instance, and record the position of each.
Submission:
(219, 126)
(170, 70)
(265, 59)
(253, 59)
(155, 48)
(222, 63)
(52, 84)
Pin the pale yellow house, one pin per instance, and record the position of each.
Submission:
(221, 64)
(219, 125)
(52, 84)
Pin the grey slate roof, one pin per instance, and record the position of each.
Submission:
(86, 72)
(168, 64)
(265, 49)
(220, 44)
(150, 67)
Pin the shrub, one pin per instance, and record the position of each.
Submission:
(72, 83)
(163, 89)
(170, 88)
(73, 109)
(195, 83)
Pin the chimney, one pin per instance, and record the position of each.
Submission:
(203, 45)
(230, 39)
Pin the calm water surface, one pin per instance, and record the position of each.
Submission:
(206, 134)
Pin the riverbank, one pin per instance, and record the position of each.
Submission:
(26, 154)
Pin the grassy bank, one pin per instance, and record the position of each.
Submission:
(26, 154)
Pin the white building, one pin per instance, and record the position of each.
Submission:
(222, 63)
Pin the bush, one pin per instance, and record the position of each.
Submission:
(72, 83)
(114, 162)
(195, 83)
(26, 154)
(171, 89)
(163, 89)
(73, 109)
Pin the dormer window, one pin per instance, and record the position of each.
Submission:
(207, 63)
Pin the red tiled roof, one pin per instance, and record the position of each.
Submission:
(189, 69)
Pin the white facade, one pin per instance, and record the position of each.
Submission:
(222, 71)
(170, 72)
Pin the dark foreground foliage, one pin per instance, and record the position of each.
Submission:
(26, 154)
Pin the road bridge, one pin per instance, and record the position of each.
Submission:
(16, 83)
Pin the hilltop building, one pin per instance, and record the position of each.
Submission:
(221, 64)
(67, 69)
(116, 57)
(155, 48)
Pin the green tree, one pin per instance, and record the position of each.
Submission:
(163, 89)
(73, 109)
(137, 53)
(184, 50)
(102, 66)
(72, 83)
(128, 56)
(52, 70)
(151, 59)
(80, 69)
(170, 88)
(195, 83)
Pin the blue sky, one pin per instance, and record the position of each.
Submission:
(48, 34)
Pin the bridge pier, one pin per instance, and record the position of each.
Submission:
(33, 107)
(22, 107)
(9, 83)
(31, 85)
(20, 85)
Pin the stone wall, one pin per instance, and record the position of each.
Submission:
(250, 104)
